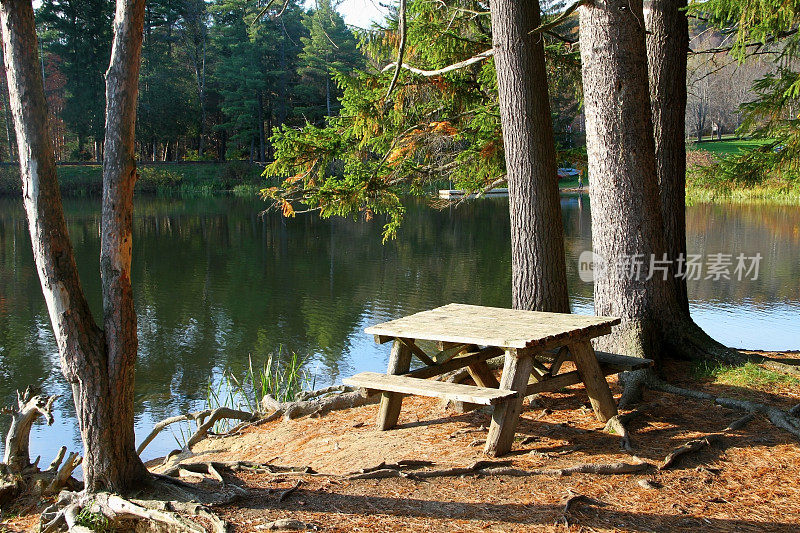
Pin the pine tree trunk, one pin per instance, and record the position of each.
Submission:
(667, 46)
(98, 364)
(626, 209)
(537, 232)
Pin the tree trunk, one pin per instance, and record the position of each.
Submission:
(98, 366)
(667, 46)
(626, 210)
(112, 463)
(260, 115)
(537, 232)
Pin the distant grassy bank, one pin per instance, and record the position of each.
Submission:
(191, 179)
(701, 190)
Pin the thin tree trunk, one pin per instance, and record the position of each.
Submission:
(113, 463)
(667, 46)
(537, 232)
(97, 364)
(260, 114)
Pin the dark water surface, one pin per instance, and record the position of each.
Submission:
(216, 283)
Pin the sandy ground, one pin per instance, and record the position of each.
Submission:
(749, 481)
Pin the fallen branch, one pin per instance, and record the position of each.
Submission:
(320, 406)
(698, 444)
(205, 419)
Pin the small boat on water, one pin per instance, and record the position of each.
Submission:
(566, 172)
(449, 194)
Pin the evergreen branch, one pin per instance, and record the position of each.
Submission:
(401, 52)
(455, 66)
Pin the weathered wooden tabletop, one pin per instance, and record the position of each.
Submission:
(494, 326)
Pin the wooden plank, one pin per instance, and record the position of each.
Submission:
(389, 412)
(455, 363)
(622, 363)
(416, 350)
(492, 326)
(596, 386)
(448, 353)
(434, 389)
(483, 375)
(555, 383)
(516, 371)
(562, 357)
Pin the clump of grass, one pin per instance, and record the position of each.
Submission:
(283, 378)
(93, 520)
(746, 375)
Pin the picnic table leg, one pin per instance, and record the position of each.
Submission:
(516, 372)
(596, 384)
(391, 402)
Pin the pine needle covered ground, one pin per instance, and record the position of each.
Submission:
(747, 480)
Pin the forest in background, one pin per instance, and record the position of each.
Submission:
(220, 77)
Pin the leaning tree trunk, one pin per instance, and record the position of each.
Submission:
(98, 365)
(626, 209)
(667, 47)
(539, 279)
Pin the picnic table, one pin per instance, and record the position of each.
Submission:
(535, 345)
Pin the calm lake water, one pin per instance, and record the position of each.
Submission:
(216, 283)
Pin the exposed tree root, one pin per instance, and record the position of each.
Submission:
(617, 425)
(778, 417)
(205, 420)
(63, 515)
(17, 474)
(288, 524)
(698, 444)
(498, 468)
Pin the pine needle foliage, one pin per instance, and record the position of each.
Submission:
(429, 130)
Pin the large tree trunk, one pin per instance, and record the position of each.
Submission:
(537, 232)
(667, 47)
(626, 209)
(98, 366)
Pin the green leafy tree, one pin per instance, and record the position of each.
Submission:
(439, 124)
(79, 32)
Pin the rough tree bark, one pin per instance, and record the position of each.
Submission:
(667, 48)
(627, 212)
(98, 364)
(537, 233)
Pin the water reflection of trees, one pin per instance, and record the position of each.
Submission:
(215, 282)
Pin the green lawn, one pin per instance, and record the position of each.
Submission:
(726, 146)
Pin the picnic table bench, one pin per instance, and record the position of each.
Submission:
(535, 345)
